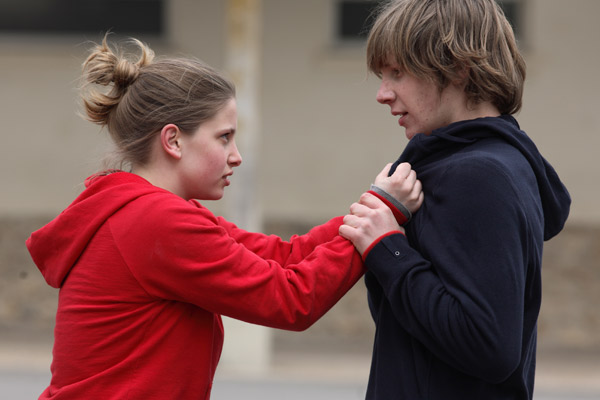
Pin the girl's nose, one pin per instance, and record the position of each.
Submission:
(235, 158)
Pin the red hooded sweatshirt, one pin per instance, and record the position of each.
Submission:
(145, 275)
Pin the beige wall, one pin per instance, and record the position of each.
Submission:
(562, 102)
(325, 138)
(323, 135)
(45, 147)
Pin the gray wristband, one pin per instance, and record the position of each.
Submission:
(393, 201)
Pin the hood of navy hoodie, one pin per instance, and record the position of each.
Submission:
(555, 197)
(56, 247)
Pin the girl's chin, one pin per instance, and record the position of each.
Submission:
(210, 196)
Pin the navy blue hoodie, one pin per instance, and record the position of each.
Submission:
(456, 301)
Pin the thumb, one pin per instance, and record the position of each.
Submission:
(385, 172)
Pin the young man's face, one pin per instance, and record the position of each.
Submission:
(418, 103)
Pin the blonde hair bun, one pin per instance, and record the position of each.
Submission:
(110, 68)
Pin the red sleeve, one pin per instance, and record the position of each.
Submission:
(272, 247)
(182, 253)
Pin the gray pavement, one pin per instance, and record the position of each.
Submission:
(24, 373)
(27, 385)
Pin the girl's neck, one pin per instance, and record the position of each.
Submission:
(157, 176)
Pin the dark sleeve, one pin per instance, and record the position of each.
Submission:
(463, 296)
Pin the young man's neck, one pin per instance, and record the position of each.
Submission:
(481, 110)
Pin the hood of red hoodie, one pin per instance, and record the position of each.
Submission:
(56, 247)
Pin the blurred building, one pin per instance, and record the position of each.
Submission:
(318, 136)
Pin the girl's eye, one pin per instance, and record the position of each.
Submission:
(226, 137)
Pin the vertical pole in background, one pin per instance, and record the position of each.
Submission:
(242, 63)
(247, 347)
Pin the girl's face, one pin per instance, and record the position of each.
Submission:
(209, 155)
(419, 104)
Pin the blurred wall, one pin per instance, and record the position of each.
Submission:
(323, 138)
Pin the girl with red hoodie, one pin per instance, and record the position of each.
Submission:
(145, 272)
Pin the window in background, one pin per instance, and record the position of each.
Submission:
(354, 19)
(513, 9)
(82, 16)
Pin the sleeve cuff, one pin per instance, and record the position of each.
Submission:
(401, 213)
(376, 241)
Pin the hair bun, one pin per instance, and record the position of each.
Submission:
(113, 70)
(125, 73)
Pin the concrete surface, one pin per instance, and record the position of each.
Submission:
(298, 374)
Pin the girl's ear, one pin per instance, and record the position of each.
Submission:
(170, 140)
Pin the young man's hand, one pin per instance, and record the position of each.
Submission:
(403, 185)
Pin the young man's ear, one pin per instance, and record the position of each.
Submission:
(462, 76)
(170, 140)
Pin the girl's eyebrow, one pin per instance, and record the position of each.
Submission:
(230, 130)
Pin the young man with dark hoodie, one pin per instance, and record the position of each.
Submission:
(456, 300)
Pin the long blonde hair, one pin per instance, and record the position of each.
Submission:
(440, 39)
(135, 98)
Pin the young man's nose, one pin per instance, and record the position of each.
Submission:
(384, 94)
